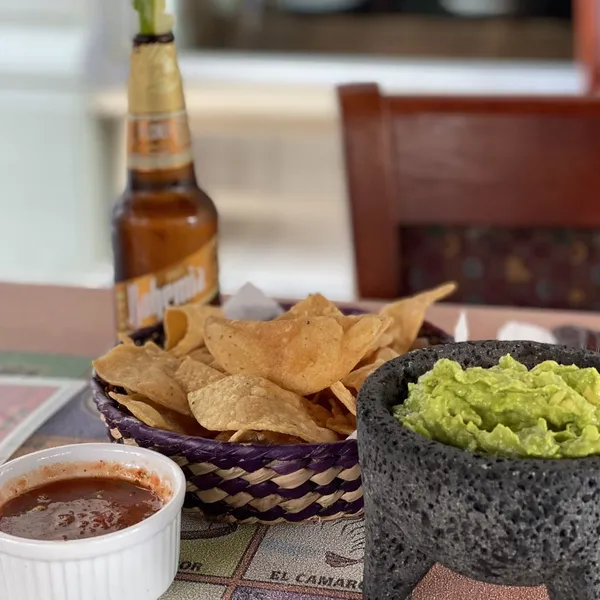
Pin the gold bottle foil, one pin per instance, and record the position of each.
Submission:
(158, 129)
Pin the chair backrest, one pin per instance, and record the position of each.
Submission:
(453, 179)
(587, 41)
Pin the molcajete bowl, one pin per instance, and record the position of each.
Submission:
(508, 521)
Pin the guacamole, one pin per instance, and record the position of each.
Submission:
(550, 411)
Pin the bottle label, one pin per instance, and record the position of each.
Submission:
(142, 301)
(157, 129)
(158, 142)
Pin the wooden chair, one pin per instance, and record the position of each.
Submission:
(587, 41)
(500, 194)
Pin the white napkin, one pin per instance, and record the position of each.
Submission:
(514, 331)
(511, 331)
(251, 304)
(461, 329)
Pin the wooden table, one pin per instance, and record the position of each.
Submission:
(78, 321)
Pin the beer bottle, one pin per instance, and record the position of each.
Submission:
(164, 228)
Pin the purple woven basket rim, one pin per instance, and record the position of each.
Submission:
(187, 445)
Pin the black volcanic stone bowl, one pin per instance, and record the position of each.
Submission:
(521, 522)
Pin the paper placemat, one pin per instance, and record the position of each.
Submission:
(31, 364)
(26, 403)
(306, 562)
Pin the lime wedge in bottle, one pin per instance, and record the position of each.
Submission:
(154, 20)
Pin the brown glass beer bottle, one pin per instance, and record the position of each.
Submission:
(164, 226)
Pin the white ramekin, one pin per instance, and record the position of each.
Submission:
(138, 563)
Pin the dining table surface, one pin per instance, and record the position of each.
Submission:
(226, 562)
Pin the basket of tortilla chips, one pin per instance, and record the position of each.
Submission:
(260, 415)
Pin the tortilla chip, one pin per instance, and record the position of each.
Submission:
(342, 424)
(336, 408)
(315, 305)
(184, 327)
(144, 371)
(302, 355)
(385, 354)
(345, 396)
(193, 375)
(340, 419)
(408, 315)
(202, 355)
(386, 339)
(319, 414)
(217, 367)
(155, 350)
(125, 339)
(241, 402)
(356, 378)
(157, 416)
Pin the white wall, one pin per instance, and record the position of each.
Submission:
(51, 225)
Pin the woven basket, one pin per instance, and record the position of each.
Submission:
(251, 483)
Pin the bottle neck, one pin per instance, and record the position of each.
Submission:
(147, 38)
(164, 179)
(159, 149)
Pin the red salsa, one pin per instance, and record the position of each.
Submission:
(76, 509)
